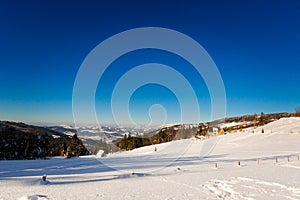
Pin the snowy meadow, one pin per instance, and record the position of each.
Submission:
(242, 165)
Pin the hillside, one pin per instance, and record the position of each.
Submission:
(243, 165)
(165, 134)
(22, 141)
(184, 131)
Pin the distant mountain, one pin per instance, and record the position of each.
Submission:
(95, 138)
(22, 141)
(68, 130)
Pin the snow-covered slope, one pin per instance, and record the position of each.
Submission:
(186, 169)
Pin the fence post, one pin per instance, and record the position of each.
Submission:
(44, 177)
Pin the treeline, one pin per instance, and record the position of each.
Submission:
(255, 117)
(167, 134)
(254, 120)
(131, 142)
(22, 141)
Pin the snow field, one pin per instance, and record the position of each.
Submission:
(182, 169)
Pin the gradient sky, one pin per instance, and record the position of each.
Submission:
(255, 45)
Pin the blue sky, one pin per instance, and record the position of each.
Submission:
(255, 45)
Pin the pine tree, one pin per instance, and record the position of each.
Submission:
(76, 147)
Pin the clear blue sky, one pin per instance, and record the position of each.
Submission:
(255, 45)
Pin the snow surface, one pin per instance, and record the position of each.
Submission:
(185, 169)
